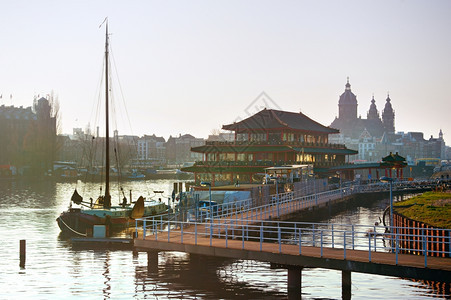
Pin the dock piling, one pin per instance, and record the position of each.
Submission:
(152, 261)
(23, 252)
(346, 284)
(294, 282)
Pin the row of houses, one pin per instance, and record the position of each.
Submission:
(147, 151)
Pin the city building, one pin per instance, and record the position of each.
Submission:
(178, 149)
(151, 151)
(28, 137)
(352, 126)
(269, 138)
(375, 136)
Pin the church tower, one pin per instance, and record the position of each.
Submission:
(388, 116)
(440, 135)
(347, 104)
(373, 114)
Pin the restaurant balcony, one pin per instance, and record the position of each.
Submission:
(274, 143)
(260, 163)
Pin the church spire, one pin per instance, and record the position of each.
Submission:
(388, 115)
(373, 113)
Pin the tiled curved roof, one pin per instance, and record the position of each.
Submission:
(276, 119)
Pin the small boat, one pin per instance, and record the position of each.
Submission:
(80, 220)
(168, 174)
(135, 175)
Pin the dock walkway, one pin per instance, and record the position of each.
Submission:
(257, 233)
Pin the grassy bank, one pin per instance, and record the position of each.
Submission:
(433, 208)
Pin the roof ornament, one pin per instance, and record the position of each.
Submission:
(348, 86)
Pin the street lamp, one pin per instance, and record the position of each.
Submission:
(341, 191)
(204, 183)
(390, 180)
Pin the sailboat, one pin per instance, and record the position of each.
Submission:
(80, 220)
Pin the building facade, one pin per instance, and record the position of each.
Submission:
(178, 149)
(375, 136)
(151, 151)
(352, 126)
(28, 137)
(268, 138)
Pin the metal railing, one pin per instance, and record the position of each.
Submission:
(242, 219)
(279, 204)
(301, 234)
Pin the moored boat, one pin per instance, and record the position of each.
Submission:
(81, 219)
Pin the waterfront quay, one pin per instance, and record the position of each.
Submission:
(255, 233)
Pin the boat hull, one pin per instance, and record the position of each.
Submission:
(75, 222)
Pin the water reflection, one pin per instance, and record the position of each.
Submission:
(188, 276)
(56, 268)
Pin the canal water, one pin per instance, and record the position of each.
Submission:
(55, 269)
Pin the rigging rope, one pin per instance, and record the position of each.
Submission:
(74, 231)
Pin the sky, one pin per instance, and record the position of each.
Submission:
(193, 66)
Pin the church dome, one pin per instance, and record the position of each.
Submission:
(348, 97)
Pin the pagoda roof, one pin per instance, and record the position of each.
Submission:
(394, 160)
(278, 119)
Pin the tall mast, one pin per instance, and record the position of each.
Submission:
(107, 202)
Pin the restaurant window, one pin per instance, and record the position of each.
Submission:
(258, 137)
(242, 137)
(227, 156)
(211, 156)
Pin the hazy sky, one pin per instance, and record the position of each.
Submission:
(193, 66)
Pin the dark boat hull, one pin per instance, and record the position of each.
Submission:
(74, 222)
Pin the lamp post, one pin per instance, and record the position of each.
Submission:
(341, 191)
(390, 180)
(204, 183)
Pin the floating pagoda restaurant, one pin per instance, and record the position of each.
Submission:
(270, 138)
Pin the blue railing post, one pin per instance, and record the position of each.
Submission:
(181, 232)
(344, 245)
(261, 237)
(369, 248)
(211, 233)
(195, 233)
(313, 235)
(321, 243)
(280, 240)
(352, 237)
(242, 233)
(169, 230)
(144, 229)
(300, 241)
(333, 245)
